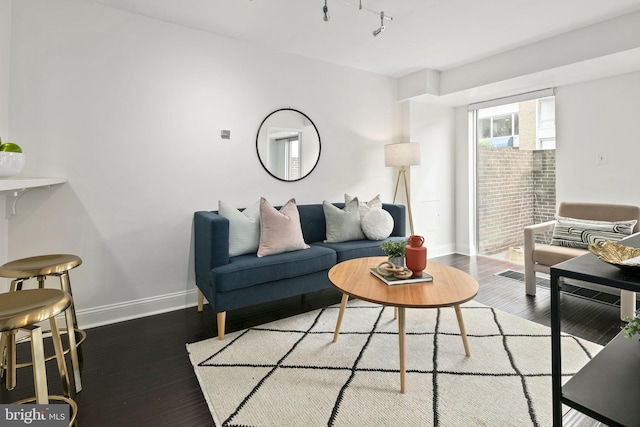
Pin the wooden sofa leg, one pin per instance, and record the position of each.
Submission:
(200, 300)
(221, 317)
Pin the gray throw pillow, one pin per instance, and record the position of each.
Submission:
(343, 225)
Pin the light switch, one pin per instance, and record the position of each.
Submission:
(225, 134)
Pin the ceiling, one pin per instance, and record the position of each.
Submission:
(424, 34)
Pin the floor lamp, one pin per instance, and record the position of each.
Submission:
(403, 154)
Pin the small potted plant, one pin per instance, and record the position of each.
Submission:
(633, 327)
(395, 251)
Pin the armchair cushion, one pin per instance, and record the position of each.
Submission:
(552, 255)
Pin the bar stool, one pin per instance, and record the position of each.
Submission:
(40, 267)
(22, 311)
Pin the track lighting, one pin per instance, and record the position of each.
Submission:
(382, 27)
(326, 17)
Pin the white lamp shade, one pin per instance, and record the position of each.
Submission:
(402, 154)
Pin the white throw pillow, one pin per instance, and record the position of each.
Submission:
(377, 224)
(244, 227)
(365, 207)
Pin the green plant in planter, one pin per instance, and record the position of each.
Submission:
(393, 249)
(633, 327)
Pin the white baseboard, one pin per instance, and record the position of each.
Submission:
(441, 250)
(120, 312)
(465, 250)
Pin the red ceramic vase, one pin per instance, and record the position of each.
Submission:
(416, 255)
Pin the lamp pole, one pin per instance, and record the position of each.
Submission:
(403, 172)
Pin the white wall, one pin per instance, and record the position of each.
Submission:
(433, 181)
(592, 118)
(130, 110)
(5, 57)
(465, 167)
(5, 52)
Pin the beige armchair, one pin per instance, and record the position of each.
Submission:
(539, 258)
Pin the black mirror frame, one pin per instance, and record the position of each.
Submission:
(258, 141)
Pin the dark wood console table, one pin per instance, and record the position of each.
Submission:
(607, 388)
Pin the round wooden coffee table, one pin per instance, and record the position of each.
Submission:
(450, 287)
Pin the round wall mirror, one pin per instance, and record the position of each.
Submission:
(288, 144)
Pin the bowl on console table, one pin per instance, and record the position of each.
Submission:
(11, 163)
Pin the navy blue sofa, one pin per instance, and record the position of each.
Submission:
(230, 283)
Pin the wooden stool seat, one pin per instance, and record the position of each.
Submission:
(40, 267)
(24, 310)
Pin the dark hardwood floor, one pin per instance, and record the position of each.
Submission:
(137, 373)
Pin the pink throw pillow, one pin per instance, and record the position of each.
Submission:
(280, 231)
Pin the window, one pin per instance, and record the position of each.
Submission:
(515, 170)
(499, 126)
(546, 131)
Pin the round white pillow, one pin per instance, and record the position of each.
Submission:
(377, 224)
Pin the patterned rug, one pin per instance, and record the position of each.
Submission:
(290, 373)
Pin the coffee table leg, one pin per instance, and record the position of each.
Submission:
(401, 341)
(463, 332)
(343, 304)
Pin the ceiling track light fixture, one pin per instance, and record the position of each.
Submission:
(382, 27)
(376, 32)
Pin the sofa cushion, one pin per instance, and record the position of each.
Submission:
(552, 255)
(280, 231)
(248, 270)
(580, 233)
(342, 224)
(244, 227)
(353, 249)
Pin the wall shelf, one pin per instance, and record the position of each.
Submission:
(14, 188)
(14, 184)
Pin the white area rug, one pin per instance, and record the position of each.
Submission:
(290, 373)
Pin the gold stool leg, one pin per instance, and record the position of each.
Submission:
(10, 361)
(39, 368)
(16, 285)
(73, 349)
(65, 283)
(8, 347)
(62, 366)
